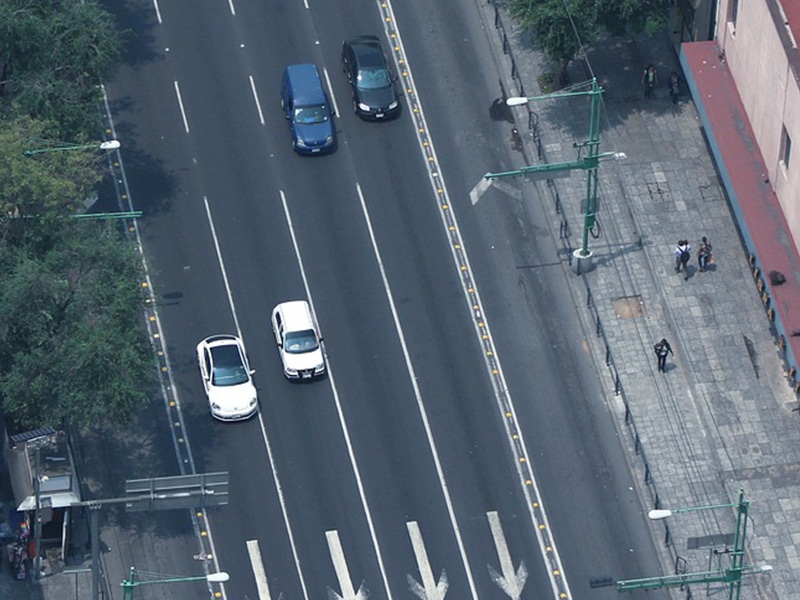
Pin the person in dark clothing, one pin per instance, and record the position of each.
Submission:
(704, 254)
(662, 350)
(674, 86)
(649, 80)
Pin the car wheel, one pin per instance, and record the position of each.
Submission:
(355, 106)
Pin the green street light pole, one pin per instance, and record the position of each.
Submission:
(108, 145)
(588, 163)
(131, 583)
(732, 575)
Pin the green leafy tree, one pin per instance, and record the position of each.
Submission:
(73, 346)
(54, 54)
(557, 31)
(43, 185)
(560, 27)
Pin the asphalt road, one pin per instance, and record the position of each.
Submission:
(406, 444)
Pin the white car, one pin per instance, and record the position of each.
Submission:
(298, 340)
(227, 378)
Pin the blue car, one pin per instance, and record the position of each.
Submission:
(308, 110)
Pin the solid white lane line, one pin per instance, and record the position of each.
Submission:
(222, 269)
(469, 288)
(169, 394)
(158, 11)
(340, 411)
(330, 91)
(180, 104)
(258, 569)
(255, 97)
(412, 375)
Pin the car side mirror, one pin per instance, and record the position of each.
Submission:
(252, 371)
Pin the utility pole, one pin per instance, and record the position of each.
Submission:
(732, 575)
(589, 162)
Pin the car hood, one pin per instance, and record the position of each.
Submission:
(314, 134)
(303, 361)
(232, 398)
(380, 98)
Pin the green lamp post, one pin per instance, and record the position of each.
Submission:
(589, 162)
(108, 146)
(732, 575)
(130, 584)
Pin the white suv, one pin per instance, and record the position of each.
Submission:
(298, 340)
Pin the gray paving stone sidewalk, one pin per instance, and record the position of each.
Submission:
(722, 418)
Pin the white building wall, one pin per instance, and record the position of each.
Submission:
(759, 63)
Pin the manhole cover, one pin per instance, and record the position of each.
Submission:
(629, 307)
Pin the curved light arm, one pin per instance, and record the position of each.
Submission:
(220, 577)
(107, 145)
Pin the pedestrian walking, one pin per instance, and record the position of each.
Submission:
(662, 350)
(674, 86)
(683, 252)
(649, 80)
(704, 254)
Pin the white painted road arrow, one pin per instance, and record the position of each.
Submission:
(429, 590)
(510, 582)
(342, 573)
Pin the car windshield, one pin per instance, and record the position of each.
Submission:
(228, 367)
(307, 115)
(373, 79)
(298, 342)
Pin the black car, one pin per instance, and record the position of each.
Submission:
(370, 78)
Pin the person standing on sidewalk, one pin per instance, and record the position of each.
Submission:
(662, 350)
(683, 252)
(649, 80)
(674, 84)
(703, 254)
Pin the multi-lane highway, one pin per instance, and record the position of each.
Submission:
(460, 446)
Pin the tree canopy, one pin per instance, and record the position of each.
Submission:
(561, 26)
(54, 54)
(43, 184)
(72, 343)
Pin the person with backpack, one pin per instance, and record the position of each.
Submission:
(662, 350)
(704, 254)
(683, 252)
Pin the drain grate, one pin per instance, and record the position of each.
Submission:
(710, 193)
(628, 307)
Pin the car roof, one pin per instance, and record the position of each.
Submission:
(226, 356)
(368, 51)
(296, 315)
(306, 84)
